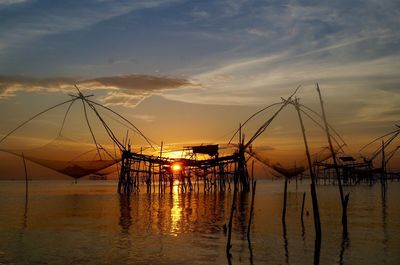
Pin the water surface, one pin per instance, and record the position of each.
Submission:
(89, 223)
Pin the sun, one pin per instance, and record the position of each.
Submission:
(176, 167)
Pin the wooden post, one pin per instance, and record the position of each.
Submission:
(251, 210)
(284, 201)
(344, 199)
(240, 161)
(252, 172)
(149, 174)
(295, 169)
(26, 177)
(302, 207)
(233, 208)
(160, 178)
(121, 173)
(317, 223)
(383, 170)
(383, 165)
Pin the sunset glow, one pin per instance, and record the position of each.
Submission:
(176, 167)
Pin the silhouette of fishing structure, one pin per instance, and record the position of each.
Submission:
(136, 168)
(204, 167)
(216, 172)
(367, 168)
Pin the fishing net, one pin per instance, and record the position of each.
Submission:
(301, 166)
(71, 157)
(74, 159)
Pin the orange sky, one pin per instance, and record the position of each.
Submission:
(176, 124)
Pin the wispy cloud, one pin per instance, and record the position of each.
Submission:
(10, 85)
(27, 25)
(352, 49)
(126, 90)
(11, 2)
(130, 90)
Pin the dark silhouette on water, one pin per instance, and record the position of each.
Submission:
(302, 208)
(303, 231)
(284, 201)
(285, 243)
(384, 220)
(26, 194)
(253, 192)
(228, 242)
(343, 246)
(317, 250)
(125, 217)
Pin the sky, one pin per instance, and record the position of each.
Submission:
(188, 72)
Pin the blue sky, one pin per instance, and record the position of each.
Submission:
(140, 55)
(92, 38)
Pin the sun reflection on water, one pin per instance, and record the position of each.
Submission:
(175, 209)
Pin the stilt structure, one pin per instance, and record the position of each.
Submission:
(214, 173)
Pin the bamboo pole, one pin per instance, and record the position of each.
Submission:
(233, 208)
(317, 223)
(344, 199)
(89, 126)
(302, 207)
(284, 201)
(160, 169)
(295, 169)
(383, 170)
(251, 210)
(383, 166)
(26, 177)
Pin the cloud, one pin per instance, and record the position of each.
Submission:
(258, 32)
(124, 90)
(10, 85)
(11, 2)
(351, 49)
(135, 83)
(232, 7)
(147, 118)
(32, 22)
(200, 14)
(130, 90)
(365, 90)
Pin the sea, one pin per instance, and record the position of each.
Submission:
(60, 222)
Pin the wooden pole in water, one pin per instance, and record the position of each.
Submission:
(252, 172)
(383, 166)
(251, 209)
(302, 207)
(317, 223)
(284, 201)
(160, 178)
(26, 177)
(295, 169)
(344, 199)
(239, 168)
(383, 170)
(233, 208)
